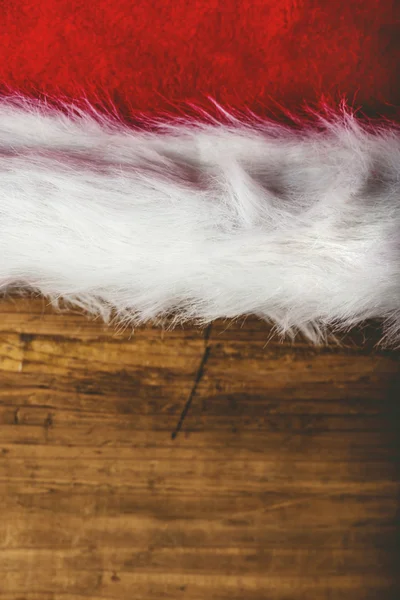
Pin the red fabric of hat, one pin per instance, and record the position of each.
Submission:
(161, 55)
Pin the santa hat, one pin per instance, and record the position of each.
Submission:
(197, 159)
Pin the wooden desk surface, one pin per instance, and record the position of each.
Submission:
(283, 483)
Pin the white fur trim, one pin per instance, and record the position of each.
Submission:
(203, 221)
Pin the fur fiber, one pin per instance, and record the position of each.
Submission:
(299, 226)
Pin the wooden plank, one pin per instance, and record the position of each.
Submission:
(283, 483)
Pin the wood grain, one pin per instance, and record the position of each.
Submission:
(283, 482)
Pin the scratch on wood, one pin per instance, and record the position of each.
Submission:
(26, 339)
(199, 375)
